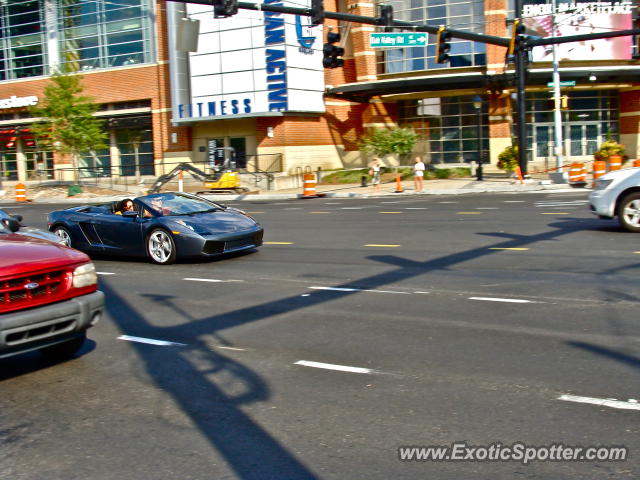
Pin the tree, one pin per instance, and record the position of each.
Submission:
(387, 141)
(68, 125)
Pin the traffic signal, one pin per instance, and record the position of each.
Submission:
(517, 36)
(564, 102)
(442, 45)
(386, 17)
(224, 8)
(317, 12)
(332, 53)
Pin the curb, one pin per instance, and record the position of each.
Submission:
(560, 188)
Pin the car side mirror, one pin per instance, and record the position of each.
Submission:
(12, 224)
(18, 217)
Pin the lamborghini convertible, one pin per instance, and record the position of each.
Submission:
(163, 227)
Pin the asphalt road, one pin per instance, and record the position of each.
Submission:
(361, 326)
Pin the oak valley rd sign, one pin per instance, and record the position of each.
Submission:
(386, 40)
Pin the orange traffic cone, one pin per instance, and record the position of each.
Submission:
(399, 188)
(519, 174)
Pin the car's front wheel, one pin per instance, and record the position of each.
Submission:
(161, 247)
(64, 235)
(629, 212)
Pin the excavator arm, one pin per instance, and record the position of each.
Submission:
(183, 167)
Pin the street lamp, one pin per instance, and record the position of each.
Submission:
(477, 104)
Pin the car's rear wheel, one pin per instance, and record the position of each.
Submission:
(64, 350)
(64, 234)
(161, 247)
(629, 212)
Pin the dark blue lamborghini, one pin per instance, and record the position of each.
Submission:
(161, 226)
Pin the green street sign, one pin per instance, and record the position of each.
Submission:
(395, 40)
(563, 83)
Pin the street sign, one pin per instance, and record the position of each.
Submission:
(394, 40)
(563, 83)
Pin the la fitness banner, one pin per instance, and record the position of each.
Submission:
(255, 63)
(578, 18)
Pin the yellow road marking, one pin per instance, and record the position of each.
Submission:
(505, 248)
(378, 245)
(389, 212)
(636, 252)
(555, 213)
(278, 243)
(469, 213)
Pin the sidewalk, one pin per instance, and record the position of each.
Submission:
(456, 186)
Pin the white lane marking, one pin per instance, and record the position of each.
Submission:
(151, 341)
(105, 273)
(550, 203)
(416, 208)
(212, 280)
(331, 366)
(448, 202)
(389, 202)
(342, 289)
(351, 208)
(422, 292)
(604, 402)
(235, 349)
(514, 201)
(494, 299)
(333, 203)
(293, 208)
(486, 208)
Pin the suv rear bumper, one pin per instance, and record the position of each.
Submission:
(47, 325)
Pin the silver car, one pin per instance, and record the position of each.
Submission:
(617, 194)
(23, 230)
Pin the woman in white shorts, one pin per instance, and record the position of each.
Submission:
(418, 174)
(375, 174)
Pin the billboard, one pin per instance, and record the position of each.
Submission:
(255, 63)
(578, 18)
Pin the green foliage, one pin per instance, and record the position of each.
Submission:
(387, 141)
(610, 147)
(508, 158)
(389, 175)
(68, 124)
(73, 190)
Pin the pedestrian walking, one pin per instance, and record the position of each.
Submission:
(376, 167)
(418, 174)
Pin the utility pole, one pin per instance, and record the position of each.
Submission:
(521, 72)
(557, 113)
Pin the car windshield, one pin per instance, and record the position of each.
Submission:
(177, 204)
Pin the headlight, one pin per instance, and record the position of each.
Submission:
(85, 275)
(184, 224)
(601, 184)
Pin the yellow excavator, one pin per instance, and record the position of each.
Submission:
(224, 179)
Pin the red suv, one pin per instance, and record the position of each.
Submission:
(48, 295)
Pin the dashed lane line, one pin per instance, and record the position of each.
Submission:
(514, 249)
(105, 273)
(319, 212)
(331, 366)
(416, 208)
(151, 341)
(631, 404)
(345, 289)
(211, 280)
(514, 201)
(351, 208)
(389, 212)
(555, 213)
(277, 243)
(469, 213)
(496, 299)
(378, 245)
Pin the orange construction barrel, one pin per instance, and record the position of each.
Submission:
(599, 169)
(615, 162)
(21, 193)
(577, 174)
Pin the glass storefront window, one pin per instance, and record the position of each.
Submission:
(466, 15)
(448, 128)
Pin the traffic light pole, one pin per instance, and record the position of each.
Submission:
(521, 53)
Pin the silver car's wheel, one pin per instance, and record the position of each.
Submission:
(64, 235)
(161, 247)
(629, 212)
